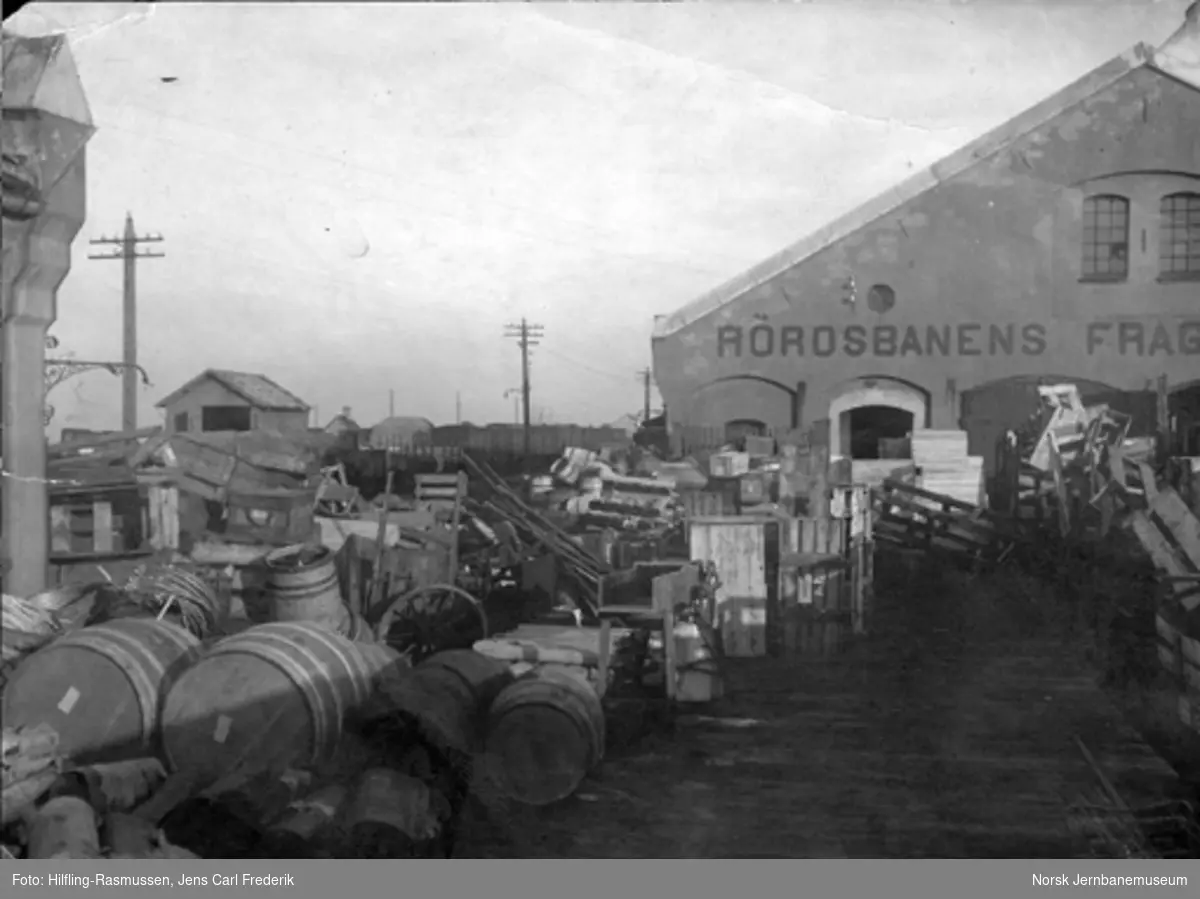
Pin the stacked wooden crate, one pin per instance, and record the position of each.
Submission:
(873, 472)
(946, 468)
(791, 586)
(745, 551)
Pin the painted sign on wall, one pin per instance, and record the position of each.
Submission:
(1135, 338)
(966, 339)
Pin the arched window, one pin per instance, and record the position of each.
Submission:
(1105, 238)
(1179, 237)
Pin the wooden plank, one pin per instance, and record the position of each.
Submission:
(102, 527)
(1170, 508)
(162, 518)
(170, 510)
(60, 529)
(605, 655)
(738, 548)
(154, 516)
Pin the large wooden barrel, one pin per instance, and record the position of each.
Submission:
(446, 697)
(302, 585)
(545, 732)
(272, 697)
(100, 687)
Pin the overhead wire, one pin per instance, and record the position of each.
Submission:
(570, 360)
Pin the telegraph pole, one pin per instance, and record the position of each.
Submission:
(646, 377)
(127, 251)
(526, 336)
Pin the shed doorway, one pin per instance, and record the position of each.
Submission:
(880, 432)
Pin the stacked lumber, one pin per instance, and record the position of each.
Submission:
(945, 466)
(578, 565)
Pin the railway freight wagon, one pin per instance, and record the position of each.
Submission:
(544, 440)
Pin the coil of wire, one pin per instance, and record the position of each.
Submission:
(185, 593)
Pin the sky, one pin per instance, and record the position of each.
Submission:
(357, 199)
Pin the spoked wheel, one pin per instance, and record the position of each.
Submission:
(432, 619)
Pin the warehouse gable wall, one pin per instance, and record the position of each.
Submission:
(985, 270)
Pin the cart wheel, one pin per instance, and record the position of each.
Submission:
(430, 619)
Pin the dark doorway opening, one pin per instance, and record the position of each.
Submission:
(1184, 409)
(880, 432)
(736, 431)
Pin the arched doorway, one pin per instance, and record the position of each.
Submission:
(880, 432)
(872, 416)
(741, 428)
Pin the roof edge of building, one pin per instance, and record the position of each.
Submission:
(957, 162)
(216, 375)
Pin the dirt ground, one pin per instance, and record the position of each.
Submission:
(948, 733)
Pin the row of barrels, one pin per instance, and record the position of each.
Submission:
(277, 696)
(272, 696)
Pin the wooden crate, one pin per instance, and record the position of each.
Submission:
(854, 502)
(729, 464)
(825, 586)
(628, 552)
(707, 503)
(97, 523)
(272, 517)
(815, 634)
(745, 552)
(201, 468)
(759, 447)
(821, 587)
(441, 491)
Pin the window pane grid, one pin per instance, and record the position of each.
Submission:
(1105, 237)
(1179, 240)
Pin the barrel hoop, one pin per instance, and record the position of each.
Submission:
(311, 588)
(272, 558)
(511, 700)
(184, 639)
(277, 650)
(547, 695)
(443, 665)
(277, 644)
(362, 677)
(352, 660)
(348, 654)
(136, 662)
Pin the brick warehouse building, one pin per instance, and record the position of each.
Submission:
(1062, 246)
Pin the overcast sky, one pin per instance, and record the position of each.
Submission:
(359, 198)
